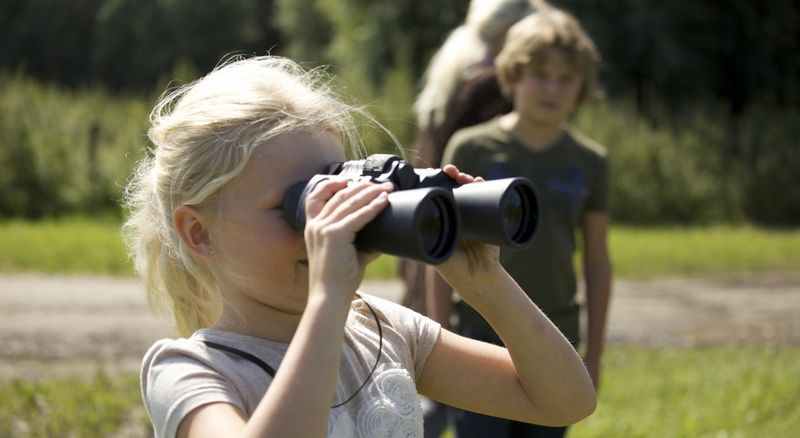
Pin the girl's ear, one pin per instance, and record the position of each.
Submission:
(192, 227)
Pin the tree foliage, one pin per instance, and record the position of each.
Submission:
(703, 97)
(736, 52)
(128, 44)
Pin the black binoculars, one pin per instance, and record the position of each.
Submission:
(428, 212)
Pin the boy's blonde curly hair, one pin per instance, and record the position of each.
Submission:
(529, 41)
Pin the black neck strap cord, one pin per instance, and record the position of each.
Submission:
(271, 371)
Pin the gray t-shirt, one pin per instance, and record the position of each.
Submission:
(179, 375)
(571, 179)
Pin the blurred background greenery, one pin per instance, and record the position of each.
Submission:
(701, 118)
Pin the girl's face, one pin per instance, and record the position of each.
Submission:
(547, 92)
(261, 258)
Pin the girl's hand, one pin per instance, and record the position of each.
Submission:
(473, 263)
(335, 211)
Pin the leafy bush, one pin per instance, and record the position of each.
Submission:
(772, 160)
(65, 151)
(71, 152)
(700, 166)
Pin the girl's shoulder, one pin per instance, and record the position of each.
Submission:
(198, 346)
(407, 336)
(171, 349)
(177, 375)
(199, 358)
(386, 311)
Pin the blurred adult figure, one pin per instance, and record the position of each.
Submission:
(460, 89)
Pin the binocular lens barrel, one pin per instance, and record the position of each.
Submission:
(421, 224)
(502, 212)
(514, 214)
(433, 226)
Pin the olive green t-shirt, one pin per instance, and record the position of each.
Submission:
(571, 178)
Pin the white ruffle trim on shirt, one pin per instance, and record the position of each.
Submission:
(391, 410)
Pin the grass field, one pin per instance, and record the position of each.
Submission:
(712, 392)
(88, 246)
(646, 392)
(73, 245)
(100, 405)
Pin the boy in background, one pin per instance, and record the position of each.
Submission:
(547, 67)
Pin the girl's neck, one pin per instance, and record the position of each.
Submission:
(534, 136)
(258, 320)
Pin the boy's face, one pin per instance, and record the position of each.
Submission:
(547, 92)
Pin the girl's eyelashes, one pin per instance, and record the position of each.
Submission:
(276, 209)
(272, 202)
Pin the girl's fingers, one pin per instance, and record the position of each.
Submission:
(350, 200)
(460, 177)
(368, 257)
(321, 194)
(451, 171)
(337, 202)
(356, 215)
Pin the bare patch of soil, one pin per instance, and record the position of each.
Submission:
(728, 310)
(74, 319)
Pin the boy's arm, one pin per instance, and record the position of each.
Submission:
(597, 274)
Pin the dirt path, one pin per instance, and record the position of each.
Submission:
(96, 319)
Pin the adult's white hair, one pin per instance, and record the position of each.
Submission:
(470, 44)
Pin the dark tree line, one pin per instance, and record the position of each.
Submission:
(738, 52)
(127, 44)
(734, 62)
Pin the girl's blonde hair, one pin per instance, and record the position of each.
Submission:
(467, 45)
(203, 135)
(529, 41)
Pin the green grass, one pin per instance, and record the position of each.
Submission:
(645, 392)
(711, 392)
(702, 392)
(99, 405)
(75, 245)
(692, 251)
(652, 252)
(79, 245)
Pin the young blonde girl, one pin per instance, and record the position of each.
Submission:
(276, 339)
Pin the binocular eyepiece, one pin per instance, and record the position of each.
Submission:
(428, 212)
